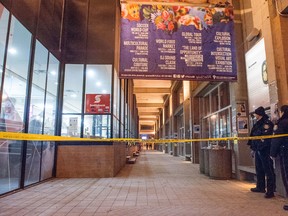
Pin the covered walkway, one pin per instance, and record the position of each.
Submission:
(157, 184)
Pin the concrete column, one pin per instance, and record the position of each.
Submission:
(238, 90)
(187, 116)
(279, 31)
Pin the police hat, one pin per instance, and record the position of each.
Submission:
(260, 111)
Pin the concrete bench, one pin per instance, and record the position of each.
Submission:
(128, 158)
(136, 154)
(132, 160)
(187, 157)
(247, 173)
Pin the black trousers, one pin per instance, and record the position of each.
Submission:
(284, 166)
(264, 167)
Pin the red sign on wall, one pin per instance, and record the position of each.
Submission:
(97, 103)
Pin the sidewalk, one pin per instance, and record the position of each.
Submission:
(156, 185)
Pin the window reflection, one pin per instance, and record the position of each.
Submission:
(13, 101)
(73, 86)
(16, 72)
(3, 35)
(97, 126)
(71, 125)
(51, 95)
(98, 79)
(217, 124)
(36, 114)
(38, 89)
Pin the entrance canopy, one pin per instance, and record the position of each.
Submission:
(172, 39)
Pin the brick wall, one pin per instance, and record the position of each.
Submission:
(90, 161)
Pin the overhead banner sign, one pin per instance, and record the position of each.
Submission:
(177, 42)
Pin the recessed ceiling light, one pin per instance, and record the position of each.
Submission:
(53, 72)
(90, 73)
(12, 51)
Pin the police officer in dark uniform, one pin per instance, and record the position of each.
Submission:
(261, 152)
(279, 146)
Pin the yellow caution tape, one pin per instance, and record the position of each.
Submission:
(40, 137)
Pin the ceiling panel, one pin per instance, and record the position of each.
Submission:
(150, 96)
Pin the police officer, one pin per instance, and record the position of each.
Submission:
(261, 152)
(279, 146)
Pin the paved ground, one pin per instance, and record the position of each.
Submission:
(157, 184)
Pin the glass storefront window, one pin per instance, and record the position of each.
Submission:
(3, 35)
(51, 95)
(36, 114)
(214, 127)
(13, 103)
(32, 166)
(116, 125)
(73, 89)
(98, 79)
(97, 126)
(10, 164)
(224, 123)
(224, 95)
(16, 71)
(98, 101)
(205, 128)
(98, 89)
(38, 89)
(71, 125)
(214, 101)
(48, 153)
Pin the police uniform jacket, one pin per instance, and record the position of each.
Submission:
(262, 127)
(281, 127)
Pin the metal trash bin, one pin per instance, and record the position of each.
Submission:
(175, 149)
(206, 162)
(201, 161)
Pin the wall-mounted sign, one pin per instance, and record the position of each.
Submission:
(241, 109)
(257, 76)
(97, 103)
(242, 124)
(196, 128)
(177, 42)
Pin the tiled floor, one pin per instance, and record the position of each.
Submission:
(157, 184)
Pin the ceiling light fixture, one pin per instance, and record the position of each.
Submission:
(12, 51)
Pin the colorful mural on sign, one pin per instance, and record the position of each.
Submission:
(177, 42)
(176, 1)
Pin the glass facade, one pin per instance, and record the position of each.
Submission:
(29, 91)
(216, 115)
(87, 98)
(13, 102)
(29, 103)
